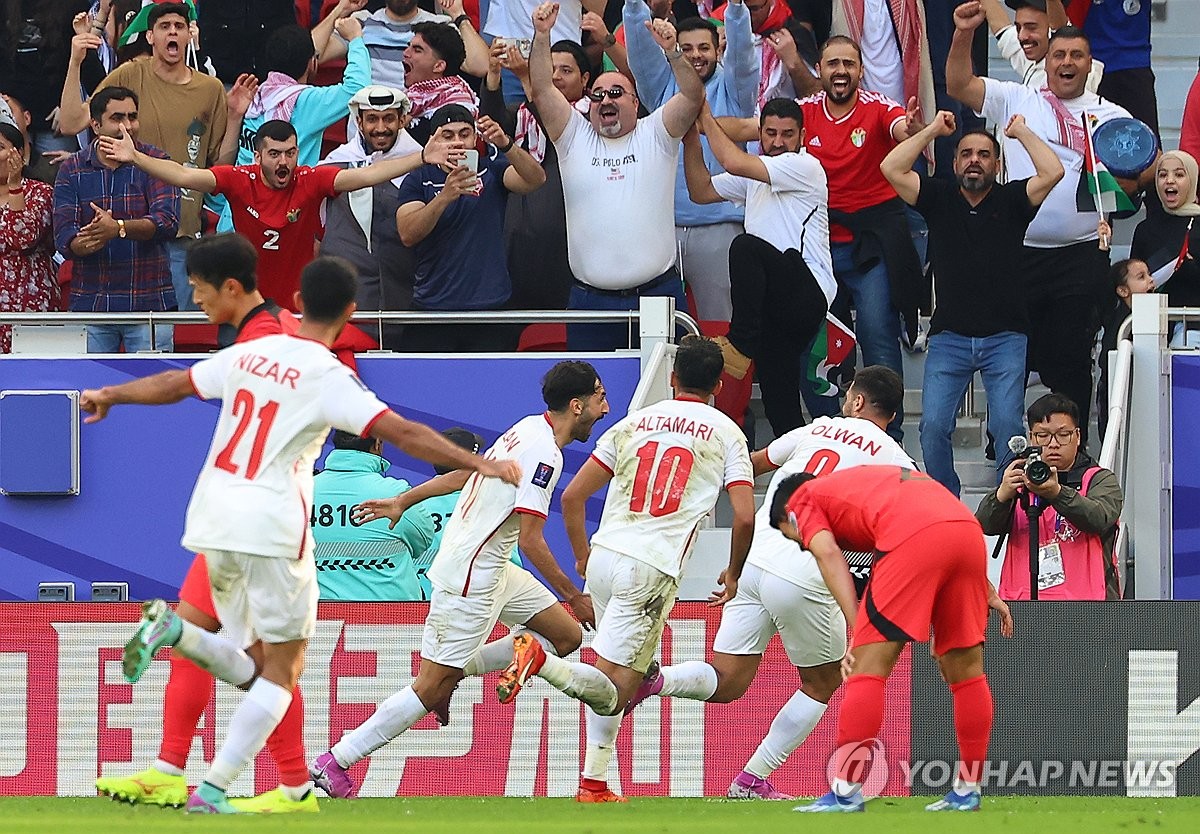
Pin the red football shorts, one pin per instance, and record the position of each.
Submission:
(195, 589)
(935, 579)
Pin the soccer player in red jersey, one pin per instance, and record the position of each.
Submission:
(930, 571)
(275, 203)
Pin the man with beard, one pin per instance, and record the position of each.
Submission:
(703, 233)
(618, 176)
(1025, 40)
(1064, 262)
(431, 64)
(360, 226)
(181, 111)
(979, 323)
(276, 204)
(781, 274)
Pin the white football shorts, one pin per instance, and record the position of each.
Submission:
(263, 597)
(632, 601)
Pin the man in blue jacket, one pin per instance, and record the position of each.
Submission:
(703, 232)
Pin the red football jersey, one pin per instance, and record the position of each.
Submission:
(283, 223)
(873, 507)
(850, 149)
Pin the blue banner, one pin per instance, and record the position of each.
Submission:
(1185, 476)
(139, 465)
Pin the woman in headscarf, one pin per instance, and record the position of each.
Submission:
(27, 275)
(1169, 243)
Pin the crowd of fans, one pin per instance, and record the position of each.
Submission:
(511, 155)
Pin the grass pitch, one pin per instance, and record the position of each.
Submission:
(458, 815)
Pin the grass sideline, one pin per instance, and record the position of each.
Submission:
(454, 815)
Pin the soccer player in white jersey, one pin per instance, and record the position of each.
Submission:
(668, 463)
(475, 583)
(782, 590)
(249, 511)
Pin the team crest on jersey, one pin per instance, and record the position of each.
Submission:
(542, 475)
(293, 215)
(857, 137)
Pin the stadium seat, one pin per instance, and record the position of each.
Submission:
(543, 337)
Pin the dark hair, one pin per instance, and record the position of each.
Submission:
(881, 387)
(13, 135)
(276, 129)
(99, 102)
(782, 108)
(161, 10)
(698, 24)
(981, 132)
(1118, 273)
(783, 493)
(566, 381)
(836, 39)
(347, 440)
(575, 51)
(464, 438)
(445, 41)
(216, 259)
(1049, 404)
(698, 364)
(1071, 33)
(328, 285)
(289, 49)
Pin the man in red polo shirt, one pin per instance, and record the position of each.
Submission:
(929, 572)
(275, 204)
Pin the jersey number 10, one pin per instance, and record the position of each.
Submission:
(243, 409)
(670, 476)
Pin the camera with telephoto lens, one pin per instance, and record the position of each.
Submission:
(1036, 469)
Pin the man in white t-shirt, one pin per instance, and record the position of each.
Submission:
(780, 270)
(782, 592)
(249, 511)
(618, 177)
(1064, 263)
(475, 583)
(667, 464)
(1024, 40)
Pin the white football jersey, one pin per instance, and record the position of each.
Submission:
(669, 461)
(486, 522)
(280, 396)
(828, 444)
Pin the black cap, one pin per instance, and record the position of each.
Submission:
(1040, 5)
(449, 114)
(465, 438)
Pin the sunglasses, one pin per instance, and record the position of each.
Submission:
(613, 93)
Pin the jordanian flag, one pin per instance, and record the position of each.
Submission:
(1098, 189)
(832, 346)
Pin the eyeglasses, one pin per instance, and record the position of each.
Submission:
(1043, 438)
(613, 93)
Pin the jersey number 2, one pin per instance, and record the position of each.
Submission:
(272, 240)
(243, 409)
(669, 479)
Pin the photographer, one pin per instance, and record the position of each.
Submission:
(1077, 527)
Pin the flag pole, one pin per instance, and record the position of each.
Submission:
(1096, 196)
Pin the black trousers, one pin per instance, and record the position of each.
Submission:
(460, 338)
(1064, 290)
(778, 308)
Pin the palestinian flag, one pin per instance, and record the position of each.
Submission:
(833, 345)
(1098, 190)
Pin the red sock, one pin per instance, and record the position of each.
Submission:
(593, 784)
(972, 724)
(286, 744)
(859, 719)
(189, 689)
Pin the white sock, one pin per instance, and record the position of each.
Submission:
(581, 681)
(253, 721)
(167, 768)
(219, 656)
(497, 654)
(394, 716)
(843, 788)
(963, 788)
(693, 679)
(296, 792)
(601, 741)
(791, 726)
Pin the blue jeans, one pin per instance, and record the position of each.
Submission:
(177, 253)
(950, 364)
(615, 336)
(108, 338)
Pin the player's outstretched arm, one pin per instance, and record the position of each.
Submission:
(589, 480)
(435, 152)
(170, 172)
(393, 508)
(761, 463)
(741, 499)
(420, 441)
(824, 548)
(160, 389)
(532, 541)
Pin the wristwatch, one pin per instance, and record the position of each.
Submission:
(121, 228)
(610, 41)
(675, 53)
(458, 20)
